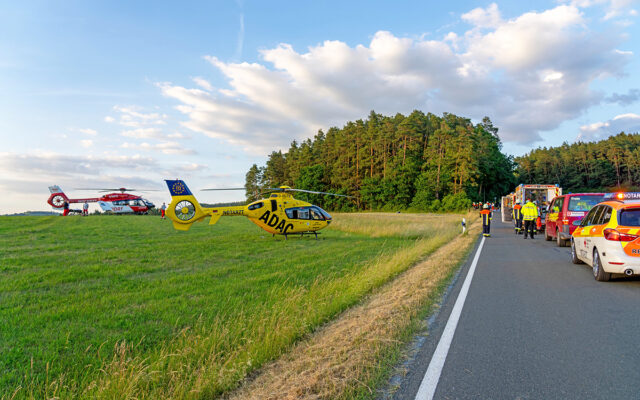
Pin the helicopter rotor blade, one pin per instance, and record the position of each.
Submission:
(314, 192)
(223, 189)
(271, 190)
(119, 190)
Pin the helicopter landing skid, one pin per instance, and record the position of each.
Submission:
(301, 234)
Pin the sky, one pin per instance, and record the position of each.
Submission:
(103, 94)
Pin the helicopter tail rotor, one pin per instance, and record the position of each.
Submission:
(184, 209)
(57, 198)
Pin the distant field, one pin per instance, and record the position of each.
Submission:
(118, 306)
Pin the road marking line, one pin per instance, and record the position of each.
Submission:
(432, 376)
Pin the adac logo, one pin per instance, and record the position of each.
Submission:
(178, 188)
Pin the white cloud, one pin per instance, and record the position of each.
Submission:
(27, 176)
(162, 147)
(53, 165)
(203, 83)
(150, 127)
(144, 133)
(152, 133)
(529, 74)
(484, 18)
(132, 116)
(86, 143)
(109, 119)
(611, 8)
(91, 132)
(193, 167)
(629, 123)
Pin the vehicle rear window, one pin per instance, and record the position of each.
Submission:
(584, 203)
(629, 217)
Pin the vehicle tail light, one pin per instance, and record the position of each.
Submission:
(612, 234)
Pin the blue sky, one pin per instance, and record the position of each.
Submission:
(128, 93)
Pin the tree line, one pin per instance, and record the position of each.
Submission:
(421, 161)
(609, 164)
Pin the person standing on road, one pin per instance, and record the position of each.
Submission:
(485, 214)
(529, 214)
(517, 217)
(162, 209)
(85, 209)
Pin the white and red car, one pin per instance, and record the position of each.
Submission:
(608, 237)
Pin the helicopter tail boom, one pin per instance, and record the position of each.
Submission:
(184, 209)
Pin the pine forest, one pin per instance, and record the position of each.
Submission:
(420, 162)
(610, 164)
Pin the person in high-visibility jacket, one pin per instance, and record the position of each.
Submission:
(529, 214)
(517, 217)
(485, 214)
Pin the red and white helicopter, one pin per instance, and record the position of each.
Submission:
(117, 203)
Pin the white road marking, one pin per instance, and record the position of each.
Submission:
(432, 376)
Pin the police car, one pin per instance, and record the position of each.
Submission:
(608, 237)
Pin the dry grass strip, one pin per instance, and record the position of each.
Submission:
(340, 356)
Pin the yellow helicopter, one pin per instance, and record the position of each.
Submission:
(280, 214)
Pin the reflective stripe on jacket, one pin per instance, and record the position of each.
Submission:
(486, 217)
(529, 211)
(516, 211)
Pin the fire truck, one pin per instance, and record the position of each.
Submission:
(542, 194)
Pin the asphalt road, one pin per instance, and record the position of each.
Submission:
(535, 326)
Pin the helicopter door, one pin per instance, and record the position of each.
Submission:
(274, 205)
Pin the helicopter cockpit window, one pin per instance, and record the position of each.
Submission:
(323, 214)
(315, 214)
(256, 206)
(305, 213)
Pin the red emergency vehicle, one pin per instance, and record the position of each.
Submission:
(565, 209)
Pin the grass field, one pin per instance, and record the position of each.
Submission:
(124, 306)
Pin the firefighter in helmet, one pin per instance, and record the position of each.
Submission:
(485, 214)
(517, 217)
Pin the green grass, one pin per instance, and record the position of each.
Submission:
(124, 306)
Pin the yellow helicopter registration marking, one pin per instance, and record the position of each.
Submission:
(233, 212)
